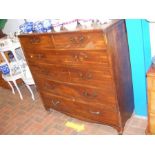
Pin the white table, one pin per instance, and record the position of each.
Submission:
(18, 68)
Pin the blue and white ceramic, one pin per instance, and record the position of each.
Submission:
(4, 68)
(38, 27)
(27, 27)
(47, 25)
(22, 28)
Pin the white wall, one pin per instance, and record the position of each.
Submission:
(12, 25)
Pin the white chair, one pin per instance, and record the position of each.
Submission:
(18, 68)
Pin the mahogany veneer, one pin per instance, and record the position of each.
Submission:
(151, 100)
(85, 74)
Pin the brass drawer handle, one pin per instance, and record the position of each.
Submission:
(81, 39)
(81, 75)
(76, 57)
(87, 76)
(35, 40)
(45, 72)
(80, 56)
(50, 86)
(95, 112)
(77, 40)
(39, 56)
(55, 102)
(32, 40)
(73, 40)
(86, 94)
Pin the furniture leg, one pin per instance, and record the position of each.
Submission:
(120, 131)
(18, 90)
(29, 88)
(13, 91)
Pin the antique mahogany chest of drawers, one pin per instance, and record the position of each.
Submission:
(85, 74)
(151, 100)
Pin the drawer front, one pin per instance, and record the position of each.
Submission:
(151, 101)
(36, 42)
(91, 77)
(72, 75)
(78, 93)
(96, 113)
(89, 40)
(68, 57)
(152, 123)
(151, 83)
(90, 67)
(53, 72)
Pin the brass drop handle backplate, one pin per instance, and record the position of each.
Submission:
(85, 76)
(44, 71)
(77, 39)
(80, 56)
(35, 40)
(81, 39)
(89, 95)
(73, 40)
(39, 56)
(55, 102)
(95, 112)
(89, 76)
(49, 86)
(83, 55)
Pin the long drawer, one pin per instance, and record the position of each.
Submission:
(78, 75)
(96, 112)
(78, 93)
(69, 57)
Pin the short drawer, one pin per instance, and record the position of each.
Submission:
(33, 42)
(95, 113)
(81, 40)
(78, 93)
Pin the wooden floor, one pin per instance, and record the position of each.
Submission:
(25, 117)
